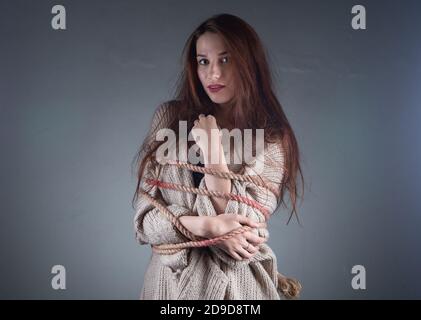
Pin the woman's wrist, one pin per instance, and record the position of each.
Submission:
(215, 156)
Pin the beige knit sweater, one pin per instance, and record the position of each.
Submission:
(205, 273)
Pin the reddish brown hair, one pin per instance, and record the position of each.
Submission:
(254, 92)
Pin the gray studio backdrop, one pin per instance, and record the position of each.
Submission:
(75, 105)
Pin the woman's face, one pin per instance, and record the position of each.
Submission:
(214, 68)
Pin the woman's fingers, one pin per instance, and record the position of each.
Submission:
(236, 256)
(251, 223)
(254, 239)
(251, 248)
(232, 253)
(244, 253)
(239, 250)
(248, 221)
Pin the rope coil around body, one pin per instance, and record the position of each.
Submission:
(261, 182)
(197, 241)
(289, 287)
(212, 193)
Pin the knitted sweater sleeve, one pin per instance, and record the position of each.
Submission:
(151, 226)
(269, 165)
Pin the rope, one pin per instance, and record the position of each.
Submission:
(261, 182)
(165, 248)
(169, 215)
(289, 287)
(229, 196)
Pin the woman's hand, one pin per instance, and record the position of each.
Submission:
(207, 135)
(226, 222)
(241, 246)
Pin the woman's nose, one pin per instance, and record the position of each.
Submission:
(214, 72)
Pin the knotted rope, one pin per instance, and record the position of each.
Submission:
(289, 287)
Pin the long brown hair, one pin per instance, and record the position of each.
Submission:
(254, 92)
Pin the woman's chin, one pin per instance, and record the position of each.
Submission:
(221, 102)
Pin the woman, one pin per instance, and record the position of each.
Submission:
(225, 84)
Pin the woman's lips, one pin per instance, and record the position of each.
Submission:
(215, 88)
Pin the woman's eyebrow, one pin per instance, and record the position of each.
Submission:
(204, 55)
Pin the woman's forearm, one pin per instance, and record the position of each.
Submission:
(204, 226)
(200, 226)
(215, 183)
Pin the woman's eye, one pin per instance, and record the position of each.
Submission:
(205, 61)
